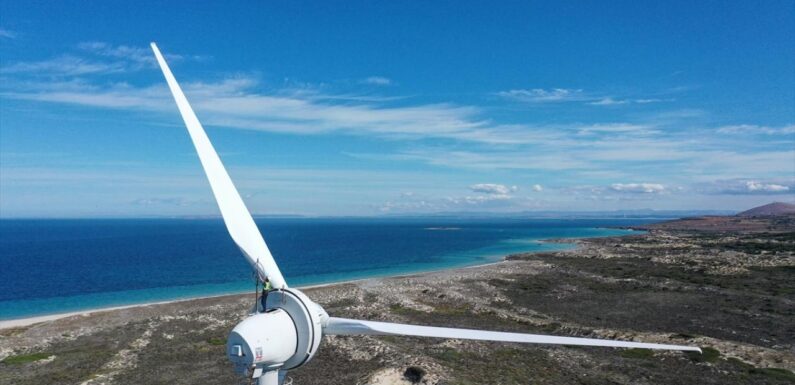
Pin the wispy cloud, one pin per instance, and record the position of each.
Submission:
(240, 102)
(492, 188)
(139, 56)
(560, 95)
(6, 34)
(750, 187)
(651, 100)
(607, 102)
(754, 186)
(540, 95)
(233, 103)
(614, 128)
(90, 58)
(487, 201)
(66, 65)
(436, 134)
(610, 101)
(752, 129)
(478, 199)
(488, 196)
(377, 81)
(620, 192)
(643, 188)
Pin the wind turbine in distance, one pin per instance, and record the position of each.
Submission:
(287, 332)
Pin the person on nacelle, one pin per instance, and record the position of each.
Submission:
(266, 288)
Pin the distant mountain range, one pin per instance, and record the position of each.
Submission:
(639, 213)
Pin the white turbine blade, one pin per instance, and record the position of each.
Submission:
(344, 326)
(236, 216)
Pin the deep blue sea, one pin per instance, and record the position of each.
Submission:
(55, 266)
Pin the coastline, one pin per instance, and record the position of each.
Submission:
(726, 297)
(28, 321)
(573, 242)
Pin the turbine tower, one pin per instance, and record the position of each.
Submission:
(287, 332)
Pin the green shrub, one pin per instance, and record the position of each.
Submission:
(24, 358)
(781, 374)
(637, 353)
(448, 354)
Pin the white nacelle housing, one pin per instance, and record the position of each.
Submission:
(262, 341)
(308, 318)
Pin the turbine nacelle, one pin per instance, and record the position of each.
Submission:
(284, 335)
(262, 342)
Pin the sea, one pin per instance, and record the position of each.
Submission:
(66, 265)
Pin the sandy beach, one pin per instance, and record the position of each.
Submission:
(729, 292)
(27, 321)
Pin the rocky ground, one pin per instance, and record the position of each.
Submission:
(727, 287)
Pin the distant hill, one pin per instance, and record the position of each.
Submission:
(771, 209)
(617, 214)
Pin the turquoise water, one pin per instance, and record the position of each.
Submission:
(56, 266)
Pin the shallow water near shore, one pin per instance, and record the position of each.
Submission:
(57, 266)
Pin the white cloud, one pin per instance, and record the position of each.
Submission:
(233, 103)
(752, 129)
(616, 128)
(617, 150)
(608, 102)
(626, 192)
(450, 203)
(493, 197)
(478, 199)
(539, 95)
(754, 186)
(140, 55)
(377, 81)
(491, 188)
(90, 58)
(643, 188)
(66, 65)
(538, 188)
(747, 186)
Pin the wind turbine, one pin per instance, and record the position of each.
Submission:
(287, 332)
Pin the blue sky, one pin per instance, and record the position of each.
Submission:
(370, 108)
